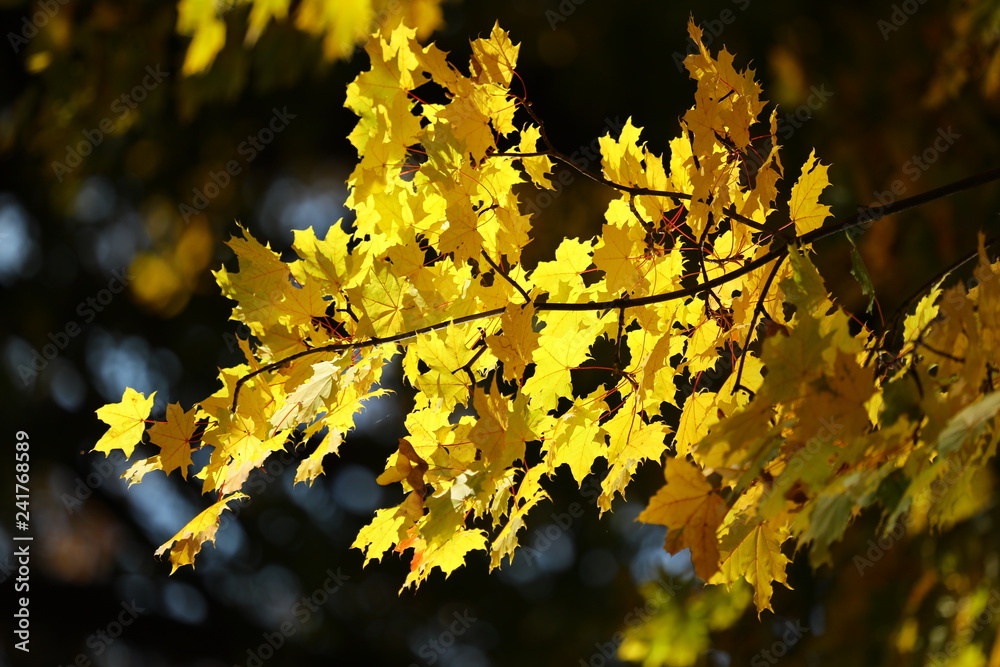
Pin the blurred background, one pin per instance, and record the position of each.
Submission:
(117, 122)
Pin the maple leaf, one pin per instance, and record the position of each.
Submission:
(241, 442)
(174, 440)
(688, 503)
(310, 397)
(631, 437)
(804, 207)
(925, 312)
(493, 59)
(540, 166)
(186, 544)
(697, 417)
(311, 466)
(506, 541)
(576, 438)
(381, 302)
(560, 278)
(127, 422)
(447, 555)
(753, 551)
(503, 427)
(616, 255)
(564, 344)
(622, 157)
(445, 353)
(387, 528)
(518, 342)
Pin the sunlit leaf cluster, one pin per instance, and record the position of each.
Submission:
(776, 418)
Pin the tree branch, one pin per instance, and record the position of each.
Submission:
(863, 217)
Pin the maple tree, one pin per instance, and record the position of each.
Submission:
(776, 417)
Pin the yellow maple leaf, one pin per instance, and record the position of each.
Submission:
(688, 503)
(753, 551)
(519, 340)
(622, 157)
(697, 417)
(174, 440)
(469, 123)
(311, 467)
(493, 59)
(259, 285)
(311, 396)
(537, 167)
(560, 278)
(444, 385)
(655, 374)
(127, 422)
(186, 544)
(617, 254)
(503, 428)
(701, 348)
(803, 206)
(564, 344)
(381, 301)
(241, 442)
(925, 312)
(388, 527)
(506, 541)
(576, 438)
(446, 555)
(632, 438)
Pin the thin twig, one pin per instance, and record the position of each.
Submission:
(758, 309)
(527, 297)
(941, 353)
(903, 307)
